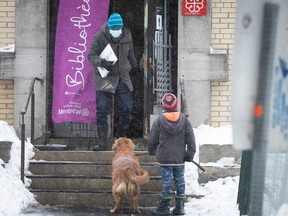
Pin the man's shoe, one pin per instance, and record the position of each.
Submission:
(102, 146)
(98, 148)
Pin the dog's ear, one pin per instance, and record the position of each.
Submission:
(131, 144)
(115, 144)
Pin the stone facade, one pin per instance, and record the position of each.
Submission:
(222, 38)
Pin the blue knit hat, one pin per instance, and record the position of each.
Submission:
(115, 21)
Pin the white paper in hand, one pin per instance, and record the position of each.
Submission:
(109, 55)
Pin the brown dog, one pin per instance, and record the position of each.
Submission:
(127, 175)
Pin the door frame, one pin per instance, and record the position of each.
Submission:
(170, 23)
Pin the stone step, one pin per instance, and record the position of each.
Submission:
(81, 168)
(84, 183)
(101, 199)
(5, 148)
(88, 156)
(81, 144)
(212, 173)
(83, 178)
(213, 153)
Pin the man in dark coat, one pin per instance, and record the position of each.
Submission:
(117, 82)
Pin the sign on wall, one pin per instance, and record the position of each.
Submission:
(74, 97)
(194, 7)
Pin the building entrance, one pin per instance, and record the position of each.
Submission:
(153, 24)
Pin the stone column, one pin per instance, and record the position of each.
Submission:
(198, 64)
(30, 61)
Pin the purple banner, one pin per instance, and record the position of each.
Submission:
(74, 97)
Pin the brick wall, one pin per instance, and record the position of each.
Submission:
(7, 37)
(222, 38)
(7, 22)
(7, 101)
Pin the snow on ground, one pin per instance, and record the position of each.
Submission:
(218, 197)
(223, 162)
(206, 134)
(9, 48)
(14, 196)
(214, 198)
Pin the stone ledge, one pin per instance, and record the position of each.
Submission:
(5, 147)
(213, 173)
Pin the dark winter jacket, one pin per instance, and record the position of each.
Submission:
(124, 51)
(168, 139)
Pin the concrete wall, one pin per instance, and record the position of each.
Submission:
(198, 65)
(30, 61)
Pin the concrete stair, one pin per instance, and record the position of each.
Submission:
(211, 153)
(82, 178)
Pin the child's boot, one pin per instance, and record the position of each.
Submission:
(163, 208)
(179, 208)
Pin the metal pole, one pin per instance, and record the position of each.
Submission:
(244, 182)
(263, 99)
(22, 148)
(23, 112)
(32, 114)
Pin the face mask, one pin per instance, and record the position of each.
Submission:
(116, 33)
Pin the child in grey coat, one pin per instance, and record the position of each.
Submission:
(172, 140)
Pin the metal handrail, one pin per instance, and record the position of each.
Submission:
(31, 95)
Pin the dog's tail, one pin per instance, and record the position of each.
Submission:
(141, 177)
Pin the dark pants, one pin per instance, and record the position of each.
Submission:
(124, 107)
(168, 174)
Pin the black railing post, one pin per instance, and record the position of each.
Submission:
(22, 147)
(31, 95)
(32, 113)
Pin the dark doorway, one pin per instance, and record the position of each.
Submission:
(140, 16)
(160, 53)
(132, 12)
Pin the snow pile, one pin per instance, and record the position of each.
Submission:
(9, 48)
(223, 162)
(219, 198)
(283, 211)
(14, 195)
(214, 135)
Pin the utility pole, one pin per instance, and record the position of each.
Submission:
(260, 122)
